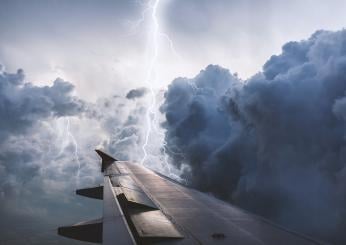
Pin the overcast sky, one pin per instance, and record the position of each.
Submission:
(102, 45)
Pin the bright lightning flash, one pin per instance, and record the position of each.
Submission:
(74, 142)
(151, 78)
(68, 138)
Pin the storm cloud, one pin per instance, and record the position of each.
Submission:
(22, 104)
(37, 160)
(47, 140)
(136, 93)
(273, 144)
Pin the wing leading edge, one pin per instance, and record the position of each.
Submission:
(143, 207)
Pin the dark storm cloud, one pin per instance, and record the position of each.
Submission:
(38, 166)
(22, 107)
(29, 148)
(274, 144)
(22, 104)
(34, 176)
(24, 141)
(136, 93)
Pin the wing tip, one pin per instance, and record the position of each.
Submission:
(107, 160)
(105, 156)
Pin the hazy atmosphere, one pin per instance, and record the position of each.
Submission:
(244, 100)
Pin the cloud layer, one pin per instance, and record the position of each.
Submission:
(274, 144)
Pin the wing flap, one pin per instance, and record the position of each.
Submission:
(139, 199)
(154, 225)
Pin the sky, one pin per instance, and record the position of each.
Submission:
(212, 93)
(102, 45)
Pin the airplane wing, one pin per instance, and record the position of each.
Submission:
(141, 206)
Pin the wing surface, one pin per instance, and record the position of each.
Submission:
(144, 207)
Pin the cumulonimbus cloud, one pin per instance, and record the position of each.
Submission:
(22, 103)
(23, 106)
(34, 171)
(273, 144)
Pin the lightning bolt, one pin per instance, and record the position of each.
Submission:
(151, 75)
(152, 122)
(68, 138)
(76, 155)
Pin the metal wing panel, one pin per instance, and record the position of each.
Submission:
(154, 224)
(207, 219)
(139, 198)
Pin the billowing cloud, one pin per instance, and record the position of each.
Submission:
(47, 143)
(273, 144)
(38, 167)
(23, 107)
(22, 104)
(136, 93)
(124, 123)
